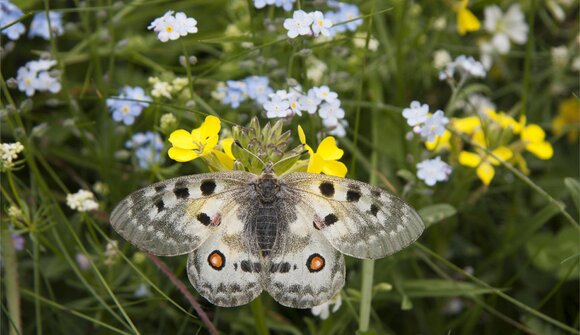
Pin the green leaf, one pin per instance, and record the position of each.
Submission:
(407, 175)
(436, 213)
(426, 288)
(574, 187)
(552, 253)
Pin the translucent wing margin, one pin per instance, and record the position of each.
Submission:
(358, 219)
(176, 216)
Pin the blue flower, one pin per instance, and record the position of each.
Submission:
(147, 147)
(39, 25)
(258, 88)
(8, 14)
(345, 12)
(126, 111)
(234, 93)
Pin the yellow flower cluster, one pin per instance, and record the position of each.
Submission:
(498, 133)
(202, 142)
(568, 119)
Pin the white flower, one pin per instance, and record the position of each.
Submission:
(331, 111)
(161, 89)
(293, 101)
(576, 64)
(512, 25)
(111, 252)
(315, 69)
(82, 201)
(299, 24)
(560, 56)
(465, 66)
(416, 113)
(276, 106)
(9, 153)
(142, 291)
(434, 126)
(476, 104)
(324, 93)
(340, 129)
(83, 261)
(34, 76)
(169, 27)
(323, 310)
(309, 102)
(320, 25)
(433, 170)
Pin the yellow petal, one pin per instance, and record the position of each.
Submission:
(440, 143)
(533, 134)
(558, 124)
(211, 126)
(467, 125)
(542, 150)
(315, 164)
(225, 159)
(181, 155)
(469, 159)
(479, 138)
(302, 137)
(466, 21)
(334, 168)
(182, 139)
(328, 149)
(485, 172)
(209, 144)
(227, 147)
(504, 153)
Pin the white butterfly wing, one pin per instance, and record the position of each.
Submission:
(356, 218)
(305, 270)
(223, 269)
(176, 216)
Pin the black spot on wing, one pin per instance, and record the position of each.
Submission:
(353, 195)
(374, 209)
(330, 219)
(280, 267)
(327, 189)
(204, 219)
(207, 187)
(248, 266)
(159, 188)
(181, 192)
(376, 194)
(160, 205)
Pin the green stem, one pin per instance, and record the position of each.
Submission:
(11, 282)
(368, 268)
(259, 316)
(188, 70)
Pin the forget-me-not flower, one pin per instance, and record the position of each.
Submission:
(39, 25)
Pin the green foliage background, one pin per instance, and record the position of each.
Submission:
(506, 256)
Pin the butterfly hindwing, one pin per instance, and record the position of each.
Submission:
(176, 216)
(356, 218)
(304, 270)
(223, 269)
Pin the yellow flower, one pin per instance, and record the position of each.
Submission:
(466, 21)
(568, 117)
(226, 157)
(483, 163)
(440, 143)
(325, 159)
(467, 125)
(200, 142)
(505, 121)
(533, 137)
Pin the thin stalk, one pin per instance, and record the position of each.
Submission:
(188, 70)
(11, 284)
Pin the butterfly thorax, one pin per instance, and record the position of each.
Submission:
(267, 187)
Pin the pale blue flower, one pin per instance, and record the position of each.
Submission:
(39, 25)
(276, 106)
(8, 14)
(345, 12)
(126, 111)
(416, 113)
(434, 126)
(147, 147)
(432, 171)
(285, 4)
(299, 24)
(235, 93)
(258, 88)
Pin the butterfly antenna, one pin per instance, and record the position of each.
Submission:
(293, 156)
(236, 142)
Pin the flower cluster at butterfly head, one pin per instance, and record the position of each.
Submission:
(251, 147)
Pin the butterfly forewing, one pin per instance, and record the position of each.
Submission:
(356, 218)
(176, 216)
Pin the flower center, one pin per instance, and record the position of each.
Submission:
(169, 29)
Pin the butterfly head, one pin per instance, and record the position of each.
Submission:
(267, 186)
